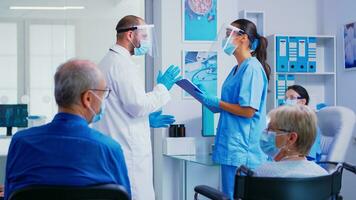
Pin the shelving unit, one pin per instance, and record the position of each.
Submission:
(321, 85)
(257, 17)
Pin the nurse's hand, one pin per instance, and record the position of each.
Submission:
(210, 100)
(170, 77)
(157, 120)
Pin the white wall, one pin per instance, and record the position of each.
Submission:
(285, 16)
(168, 18)
(333, 16)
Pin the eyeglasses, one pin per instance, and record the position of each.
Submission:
(294, 98)
(277, 129)
(106, 92)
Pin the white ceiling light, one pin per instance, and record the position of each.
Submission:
(46, 7)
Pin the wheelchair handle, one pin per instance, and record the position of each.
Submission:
(349, 167)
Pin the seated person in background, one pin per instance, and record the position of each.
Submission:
(67, 151)
(297, 94)
(288, 139)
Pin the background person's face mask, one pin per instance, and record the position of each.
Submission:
(268, 143)
(291, 102)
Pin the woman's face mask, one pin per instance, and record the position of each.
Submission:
(228, 46)
(268, 143)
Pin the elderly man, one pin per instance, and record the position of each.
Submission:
(67, 151)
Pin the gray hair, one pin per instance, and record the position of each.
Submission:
(72, 78)
(300, 119)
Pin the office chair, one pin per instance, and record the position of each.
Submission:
(100, 192)
(336, 124)
(250, 187)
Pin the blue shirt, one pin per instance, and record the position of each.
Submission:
(64, 152)
(237, 139)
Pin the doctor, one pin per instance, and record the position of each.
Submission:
(243, 102)
(127, 115)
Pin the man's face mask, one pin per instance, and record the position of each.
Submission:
(97, 116)
(145, 46)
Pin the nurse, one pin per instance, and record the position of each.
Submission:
(243, 102)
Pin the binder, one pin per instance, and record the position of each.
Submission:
(290, 80)
(193, 90)
(302, 55)
(280, 89)
(282, 53)
(311, 54)
(293, 54)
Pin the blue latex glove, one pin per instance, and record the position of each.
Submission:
(170, 77)
(208, 100)
(157, 120)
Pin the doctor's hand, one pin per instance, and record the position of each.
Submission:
(157, 120)
(170, 77)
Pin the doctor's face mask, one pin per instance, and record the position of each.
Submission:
(143, 40)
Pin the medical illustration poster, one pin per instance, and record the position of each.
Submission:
(200, 67)
(350, 46)
(199, 20)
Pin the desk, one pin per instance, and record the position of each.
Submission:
(201, 159)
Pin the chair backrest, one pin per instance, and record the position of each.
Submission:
(337, 124)
(271, 188)
(102, 192)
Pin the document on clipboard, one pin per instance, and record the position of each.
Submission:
(194, 91)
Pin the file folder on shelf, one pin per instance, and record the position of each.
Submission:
(282, 54)
(311, 54)
(293, 54)
(280, 89)
(290, 80)
(302, 55)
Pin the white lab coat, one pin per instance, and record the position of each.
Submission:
(126, 117)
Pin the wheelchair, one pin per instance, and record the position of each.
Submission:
(249, 187)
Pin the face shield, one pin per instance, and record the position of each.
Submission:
(145, 40)
(225, 41)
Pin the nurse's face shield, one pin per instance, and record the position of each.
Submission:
(145, 39)
(226, 36)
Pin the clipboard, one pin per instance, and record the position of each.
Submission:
(194, 91)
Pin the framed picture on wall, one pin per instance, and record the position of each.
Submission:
(199, 20)
(200, 67)
(349, 31)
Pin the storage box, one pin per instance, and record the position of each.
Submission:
(179, 146)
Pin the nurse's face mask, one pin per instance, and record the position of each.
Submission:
(268, 142)
(226, 40)
(292, 98)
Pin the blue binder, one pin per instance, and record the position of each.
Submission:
(280, 89)
(293, 54)
(311, 54)
(302, 54)
(282, 53)
(193, 90)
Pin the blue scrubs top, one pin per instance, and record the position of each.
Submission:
(64, 152)
(237, 139)
(315, 151)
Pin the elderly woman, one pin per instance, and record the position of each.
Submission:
(288, 139)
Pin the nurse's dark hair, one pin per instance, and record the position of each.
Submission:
(126, 22)
(303, 93)
(261, 51)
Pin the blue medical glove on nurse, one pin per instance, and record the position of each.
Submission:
(157, 120)
(208, 100)
(170, 77)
